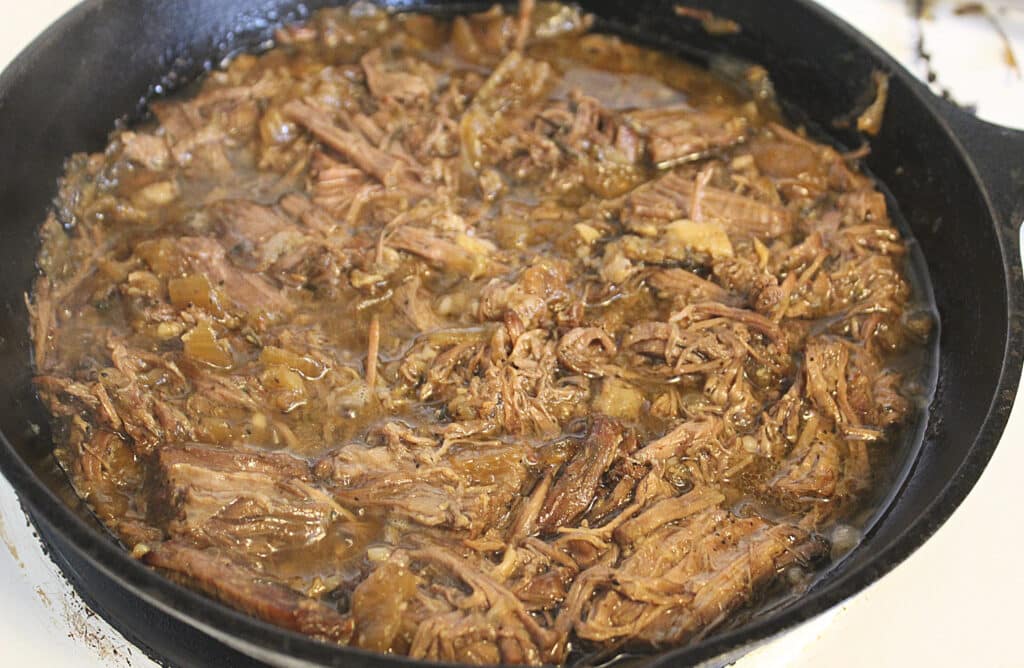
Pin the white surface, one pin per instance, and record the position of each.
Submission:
(954, 602)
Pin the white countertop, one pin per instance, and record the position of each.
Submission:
(952, 603)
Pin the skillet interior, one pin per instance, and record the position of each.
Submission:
(106, 55)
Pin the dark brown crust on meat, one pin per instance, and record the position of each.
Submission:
(232, 584)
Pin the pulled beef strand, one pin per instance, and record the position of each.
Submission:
(482, 340)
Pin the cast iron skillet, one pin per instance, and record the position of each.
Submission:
(959, 182)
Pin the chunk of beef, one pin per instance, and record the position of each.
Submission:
(586, 350)
(671, 198)
(522, 391)
(825, 366)
(674, 443)
(407, 83)
(433, 502)
(255, 503)
(592, 125)
(683, 580)
(592, 130)
(811, 471)
(251, 292)
(340, 189)
(491, 622)
(262, 240)
(534, 299)
(515, 86)
(126, 398)
(681, 134)
(739, 574)
(412, 301)
(148, 150)
(714, 341)
(760, 287)
(574, 489)
(386, 167)
(470, 490)
(380, 606)
(461, 254)
(686, 287)
(524, 522)
(666, 511)
(391, 479)
(824, 471)
(780, 425)
(248, 590)
(199, 131)
(246, 229)
(684, 350)
(750, 319)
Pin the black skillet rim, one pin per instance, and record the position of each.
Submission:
(234, 627)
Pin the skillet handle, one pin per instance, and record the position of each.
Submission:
(998, 154)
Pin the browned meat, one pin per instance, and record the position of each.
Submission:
(380, 604)
(258, 503)
(685, 287)
(253, 293)
(245, 589)
(515, 86)
(673, 196)
(755, 563)
(676, 441)
(534, 299)
(124, 399)
(575, 487)
(711, 343)
(845, 393)
(339, 189)
(666, 511)
(245, 229)
(520, 390)
(352, 145)
(413, 301)
(585, 349)
(466, 492)
(471, 260)
(475, 339)
(147, 150)
(512, 632)
(681, 134)
(683, 579)
(390, 81)
(420, 501)
(814, 471)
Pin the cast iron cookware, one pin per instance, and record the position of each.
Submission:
(958, 181)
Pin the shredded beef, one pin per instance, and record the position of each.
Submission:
(480, 340)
